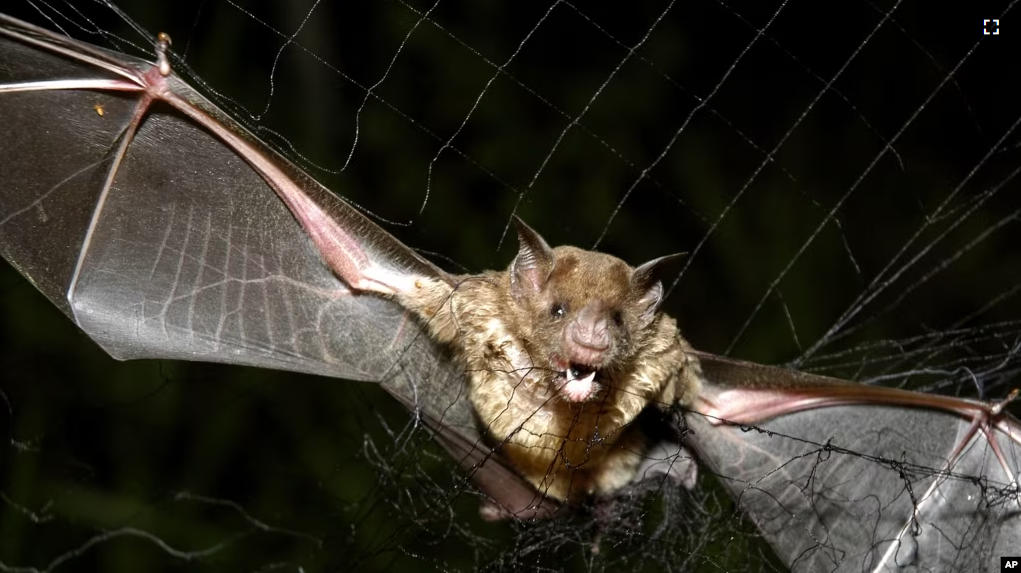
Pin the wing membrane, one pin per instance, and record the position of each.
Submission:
(862, 485)
(164, 243)
(164, 229)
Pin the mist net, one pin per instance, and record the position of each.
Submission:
(843, 177)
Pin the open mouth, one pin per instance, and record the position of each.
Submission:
(579, 381)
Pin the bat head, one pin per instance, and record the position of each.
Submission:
(584, 313)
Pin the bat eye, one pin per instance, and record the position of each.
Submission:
(557, 310)
(617, 318)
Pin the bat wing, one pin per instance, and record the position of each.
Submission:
(161, 241)
(850, 477)
(165, 229)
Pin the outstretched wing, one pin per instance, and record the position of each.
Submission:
(850, 477)
(159, 239)
(164, 229)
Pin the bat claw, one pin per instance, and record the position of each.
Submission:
(996, 407)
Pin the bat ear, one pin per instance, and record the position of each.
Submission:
(648, 288)
(533, 265)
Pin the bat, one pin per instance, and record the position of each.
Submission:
(381, 264)
(563, 351)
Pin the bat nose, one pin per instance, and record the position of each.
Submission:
(593, 336)
(590, 329)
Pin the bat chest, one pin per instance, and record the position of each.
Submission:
(559, 446)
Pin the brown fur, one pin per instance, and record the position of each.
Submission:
(566, 449)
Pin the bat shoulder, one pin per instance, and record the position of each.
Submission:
(451, 310)
(666, 370)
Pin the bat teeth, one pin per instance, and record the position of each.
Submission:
(580, 383)
(575, 371)
(579, 389)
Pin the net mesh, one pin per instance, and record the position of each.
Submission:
(843, 177)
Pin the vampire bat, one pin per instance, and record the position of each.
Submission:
(562, 351)
(151, 265)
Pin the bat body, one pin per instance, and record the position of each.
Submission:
(555, 356)
(563, 351)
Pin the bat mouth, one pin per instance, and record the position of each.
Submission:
(576, 381)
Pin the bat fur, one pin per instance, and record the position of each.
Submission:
(563, 350)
